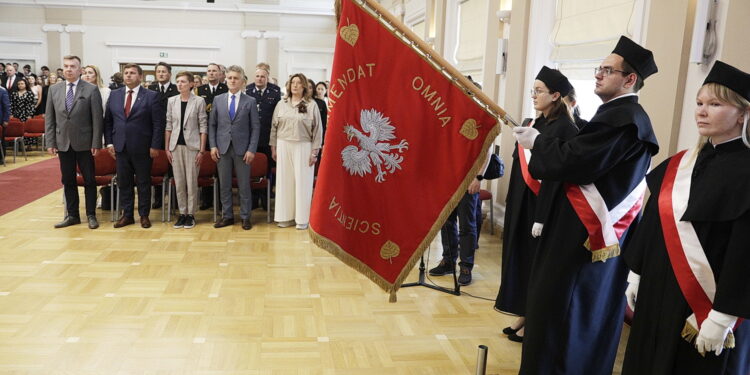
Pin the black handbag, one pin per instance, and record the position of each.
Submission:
(495, 169)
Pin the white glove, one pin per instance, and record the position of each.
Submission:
(536, 230)
(631, 293)
(714, 331)
(525, 136)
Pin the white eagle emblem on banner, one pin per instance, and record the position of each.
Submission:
(374, 148)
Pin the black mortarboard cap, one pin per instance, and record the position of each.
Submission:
(641, 59)
(731, 77)
(555, 81)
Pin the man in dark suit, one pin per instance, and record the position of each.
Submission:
(165, 89)
(134, 131)
(73, 125)
(233, 129)
(11, 76)
(4, 118)
(267, 95)
(208, 92)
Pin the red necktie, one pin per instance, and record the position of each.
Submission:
(128, 102)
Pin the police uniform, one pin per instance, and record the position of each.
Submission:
(266, 100)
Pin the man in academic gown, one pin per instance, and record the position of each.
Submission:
(720, 218)
(575, 303)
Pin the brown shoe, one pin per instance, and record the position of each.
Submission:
(145, 222)
(246, 224)
(125, 220)
(223, 222)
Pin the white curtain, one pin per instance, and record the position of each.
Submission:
(587, 30)
(472, 35)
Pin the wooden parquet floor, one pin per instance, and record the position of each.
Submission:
(225, 301)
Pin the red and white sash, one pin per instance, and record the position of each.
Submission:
(605, 227)
(686, 254)
(524, 158)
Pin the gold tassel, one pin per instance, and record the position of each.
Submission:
(602, 255)
(392, 298)
(587, 244)
(689, 333)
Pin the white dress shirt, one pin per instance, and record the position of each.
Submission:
(236, 100)
(135, 95)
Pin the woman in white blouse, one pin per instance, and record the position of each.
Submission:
(296, 136)
(92, 76)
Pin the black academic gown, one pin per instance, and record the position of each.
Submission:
(521, 212)
(719, 208)
(575, 308)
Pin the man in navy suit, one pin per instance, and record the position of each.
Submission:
(134, 131)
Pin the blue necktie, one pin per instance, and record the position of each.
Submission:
(69, 97)
(231, 109)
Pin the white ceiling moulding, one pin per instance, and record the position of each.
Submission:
(20, 41)
(326, 10)
(158, 45)
(327, 51)
(261, 34)
(53, 27)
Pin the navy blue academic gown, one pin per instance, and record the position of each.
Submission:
(721, 219)
(575, 308)
(521, 212)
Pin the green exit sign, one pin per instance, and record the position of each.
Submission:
(163, 54)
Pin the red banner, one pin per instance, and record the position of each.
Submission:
(402, 145)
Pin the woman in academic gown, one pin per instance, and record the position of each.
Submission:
(693, 241)
(528, 199)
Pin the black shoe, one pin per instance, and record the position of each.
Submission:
(465, 277)
(510, 331)
(246, 224)
(223, 223)
(444, 268)
(68, 221)
(515, 338)
(189, 222)
(93, 224)
(180, 222)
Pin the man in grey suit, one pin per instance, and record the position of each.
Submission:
(73, 129)
(233, 129)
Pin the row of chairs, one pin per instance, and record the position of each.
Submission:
(105, 173)
(17, 131)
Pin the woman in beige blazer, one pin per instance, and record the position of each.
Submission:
(185, 139)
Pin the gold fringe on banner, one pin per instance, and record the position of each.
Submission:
(689, 333)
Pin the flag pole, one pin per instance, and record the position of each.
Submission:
(434, 58)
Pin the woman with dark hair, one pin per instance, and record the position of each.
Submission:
(529, 200)
(322, 105)
(688, 285)
(296, 136)
(22, 100)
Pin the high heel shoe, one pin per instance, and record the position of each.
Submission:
(511, 331)
(515, 338)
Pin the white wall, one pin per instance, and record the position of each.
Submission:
(188, 37)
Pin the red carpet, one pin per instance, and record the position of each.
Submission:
(24, 185)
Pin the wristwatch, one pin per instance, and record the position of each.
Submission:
(480, 177)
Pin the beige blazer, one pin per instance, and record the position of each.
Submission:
(196, 122)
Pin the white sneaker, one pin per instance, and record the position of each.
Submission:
(285, 224)
(301, 226)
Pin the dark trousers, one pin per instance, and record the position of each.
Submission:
(459, 233)
(260, 199)
(138, 164)
(85, 162)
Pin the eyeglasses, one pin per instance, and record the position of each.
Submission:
(607, 70)
(537, 92)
